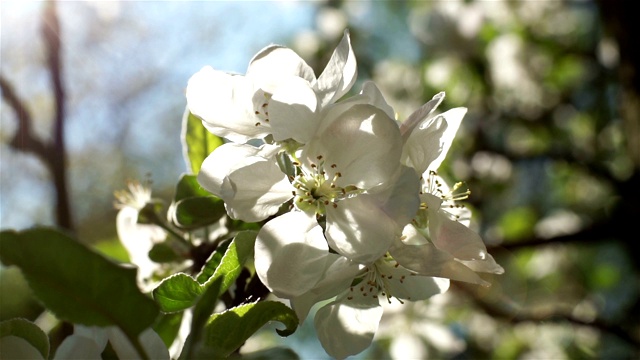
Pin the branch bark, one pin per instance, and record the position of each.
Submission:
(51, 33)
(53, 153)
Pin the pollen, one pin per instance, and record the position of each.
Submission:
(317, 188)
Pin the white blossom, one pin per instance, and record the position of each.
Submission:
(279, 95)
(137, 238)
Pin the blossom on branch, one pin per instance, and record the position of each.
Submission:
(353, 210)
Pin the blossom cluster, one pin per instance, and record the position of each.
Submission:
(352, 206)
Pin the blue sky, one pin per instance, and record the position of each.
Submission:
(126, 64)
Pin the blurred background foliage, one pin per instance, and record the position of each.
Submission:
(550, 147)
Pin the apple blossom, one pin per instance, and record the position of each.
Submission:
(295, 263)
(347, 174)
(441, 231)
(427, 138)
(279, 95)
(137, 238)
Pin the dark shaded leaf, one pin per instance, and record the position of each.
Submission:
(163, 253)
(76, 283)
(28, 331)
(197, 212)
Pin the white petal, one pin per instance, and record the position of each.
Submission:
(338, 276)
(275, 62)
(220, 163)
(488, 265)
(138, 239)
(455, 238)
(359, 229)
(256, 190)
(454, 119)
(376, 98)
(224, 103)
(424, 144)
(292, 111)
(149, 339)
(346, 327)
(420, 115)
(428, 260)
(16, 348)
(340, 73)
(230, 172)
(291, 254)
(78, 347)
(362, 142)
(403, 284)
(400, 200)
(96, 333)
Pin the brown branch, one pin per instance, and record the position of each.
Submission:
(508, 312)
(52, 154)
(24, 139)
(51, 33)
(595, 233)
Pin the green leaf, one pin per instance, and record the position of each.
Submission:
(196, 212)
(28, 331)
(280, 353)
(227, 331)
(197, 141)
(240, 250)
(188, 187)
(212, 263)
(204, 308)
(167, 327)
(76, 283)
(177, 292)
(163, 253)
(180, 291)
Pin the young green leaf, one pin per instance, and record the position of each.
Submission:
(196, 212)
(212, 263)
(180, 291)
(177, 292)
(240, 250)
(76, 283)
(188, 187)
(197, 141)
(28, 331)
(201, 312)
(224, 333)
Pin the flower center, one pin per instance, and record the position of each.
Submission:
(138, 195)
(441, 196)
(316, 188)
(379, 278)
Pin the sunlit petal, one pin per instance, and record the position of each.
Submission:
(291, 254)
(346, 326)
